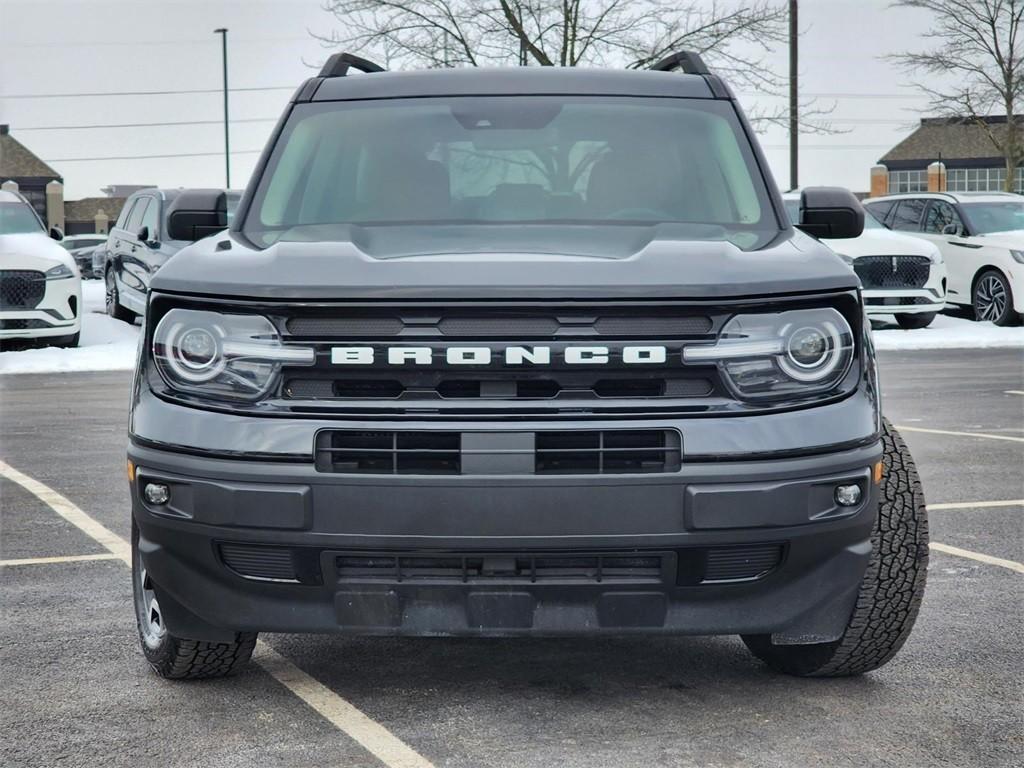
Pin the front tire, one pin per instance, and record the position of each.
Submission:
(918, 320)
(992, 298)
(890, 592)
(174, 657)
(113, 298)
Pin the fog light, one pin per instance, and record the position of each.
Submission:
(847, 495)
(158, 493)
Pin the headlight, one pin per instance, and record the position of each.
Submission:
(783, 355)
(1018, 256)
(234, 357)
(59, 272)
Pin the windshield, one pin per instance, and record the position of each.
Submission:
(984, 218)
(522, 159)
(17, 219)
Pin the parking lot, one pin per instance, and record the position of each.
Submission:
(76, 690)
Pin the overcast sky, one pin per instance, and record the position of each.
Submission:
(97, 46)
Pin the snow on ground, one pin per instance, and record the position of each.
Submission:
(106, 344)
(945, 332)
(109, 345)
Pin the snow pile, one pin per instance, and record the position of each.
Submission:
(945, 332)
(106, 344)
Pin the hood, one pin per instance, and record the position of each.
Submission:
(33, 251)
(517, 262)
(1011, 239)
(882, 242)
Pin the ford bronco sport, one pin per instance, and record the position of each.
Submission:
(517, 352)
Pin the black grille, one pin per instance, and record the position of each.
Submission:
(542, 453)
(22, 324)
(892, 271)
(612, 568)
(522, 325)
(259, 562)
(897, 301)
(741, 563)
(21, 289)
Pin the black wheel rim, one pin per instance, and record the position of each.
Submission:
(111, 293)
(990, 298)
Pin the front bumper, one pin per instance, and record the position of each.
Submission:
(507, 555)
(903, 301)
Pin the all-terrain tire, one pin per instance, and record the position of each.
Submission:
(890, 592)
(174, 657)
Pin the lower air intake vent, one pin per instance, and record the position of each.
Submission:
(741, 563)
(258, 562)
(607, 452)
(389, 453)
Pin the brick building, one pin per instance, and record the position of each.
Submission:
(946, 154)
(22, 171)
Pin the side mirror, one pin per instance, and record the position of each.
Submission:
(143, 234)
(56, 233)
(196, 213)
(830, 212)
(951, 229)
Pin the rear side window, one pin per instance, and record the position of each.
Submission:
(521, 159)
(907, 217)
(880, 210)
(135, 219)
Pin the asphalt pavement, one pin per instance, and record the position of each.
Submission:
(75, 690)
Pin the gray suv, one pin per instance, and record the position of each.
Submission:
(511, 353)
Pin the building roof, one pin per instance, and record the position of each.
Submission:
(87, 208)
(950, 139)
(18, 162)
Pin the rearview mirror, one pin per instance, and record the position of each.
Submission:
(197, 213)
(951, 229)
(830, 212)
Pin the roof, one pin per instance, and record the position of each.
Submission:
(512, 81)
(949, 138)
(18, 162)
(957, 197)
(87, 208)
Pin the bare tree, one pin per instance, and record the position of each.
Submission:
(973, 69)
(735, 37)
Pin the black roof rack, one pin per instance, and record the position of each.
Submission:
(339, 64)
(689, 62)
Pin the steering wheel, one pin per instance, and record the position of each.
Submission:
(640, 213)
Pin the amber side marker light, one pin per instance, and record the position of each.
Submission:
(879, 468)
(131, 471)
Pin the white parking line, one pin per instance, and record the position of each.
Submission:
(60, 559)
(1015, 392)
(1013, 565)
(977, 504)
(960, 434)
(369, 734)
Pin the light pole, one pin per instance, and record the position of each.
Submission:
(227, 142)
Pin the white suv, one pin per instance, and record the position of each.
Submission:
(900, 275)
(981, 236)
(40, 285)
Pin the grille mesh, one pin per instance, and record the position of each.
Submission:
(21, 288)
(892, 271)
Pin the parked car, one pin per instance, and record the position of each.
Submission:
(81, 248)
(901, 275)
(40, 285)
(981, 237)
(137, 247)
(517, 352)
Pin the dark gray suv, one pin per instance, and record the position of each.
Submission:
(517, 352)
